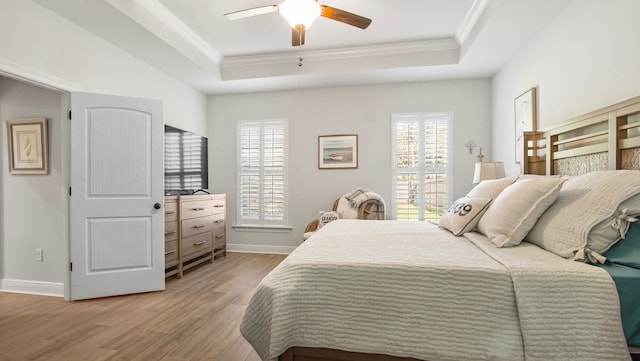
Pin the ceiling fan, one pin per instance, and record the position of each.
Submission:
(300, 14)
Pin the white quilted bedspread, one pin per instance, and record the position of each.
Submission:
(411, 289)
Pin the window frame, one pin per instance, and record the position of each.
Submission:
(421, 170)
(261, 222)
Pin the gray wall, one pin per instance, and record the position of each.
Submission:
(365, 111)
(32, 207)
(585, 59)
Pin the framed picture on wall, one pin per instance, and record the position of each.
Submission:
(525, 114)
(27, 140)
(338, 151)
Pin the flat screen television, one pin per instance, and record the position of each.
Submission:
(185, 162)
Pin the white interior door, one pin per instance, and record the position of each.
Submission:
(117, 241)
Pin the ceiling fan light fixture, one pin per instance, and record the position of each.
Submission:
(300, 12)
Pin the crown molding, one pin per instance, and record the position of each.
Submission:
(342, 53)
(157, 19)
(470, 20)
(393, 55)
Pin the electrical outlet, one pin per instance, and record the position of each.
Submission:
(39, 254)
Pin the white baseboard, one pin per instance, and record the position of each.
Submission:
(257, 248)
(32, 287)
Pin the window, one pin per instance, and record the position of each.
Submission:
(185, 161)
(262, 173)
(421, 172)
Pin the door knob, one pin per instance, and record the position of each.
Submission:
(157, 206)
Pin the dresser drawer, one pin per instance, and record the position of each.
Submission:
(170, 253)
(218, 205)
(170, 211)
(196, 226)
(218, 220)
(170, 231)
(196, 245)
(219, 239)
(194, 209)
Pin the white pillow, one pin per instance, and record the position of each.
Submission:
(517, 209)
(589, 215)
(490, 188)
(324, 217)
(464, 214)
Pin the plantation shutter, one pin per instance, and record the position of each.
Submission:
(262, 173)
(185, 160)
(420, 170)
(172, 161)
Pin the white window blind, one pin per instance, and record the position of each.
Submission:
(262, 173)
(421, 169)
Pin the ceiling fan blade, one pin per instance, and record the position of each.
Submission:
(241, 14)
(297, 35)
(345, 17)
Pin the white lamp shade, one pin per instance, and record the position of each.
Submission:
(300, 12)
(488, 170)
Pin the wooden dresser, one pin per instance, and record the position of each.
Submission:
(219, 217)
(194, 231)
(170, 235)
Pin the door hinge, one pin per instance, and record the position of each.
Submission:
(69, 114)
(69, 191)
(70, 266)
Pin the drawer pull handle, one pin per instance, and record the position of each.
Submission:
(199, 226)
(197, 209)
(219, 221)
(199, 243)
(220, 236)
(170, 252)
(218, 206)
(169, 212)
(170, 232)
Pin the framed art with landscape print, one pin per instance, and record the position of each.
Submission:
(338, 151)
(525, 112)
(27, 141)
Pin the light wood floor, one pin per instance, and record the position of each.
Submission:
(195, 318)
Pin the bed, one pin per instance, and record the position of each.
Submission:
(480, 289)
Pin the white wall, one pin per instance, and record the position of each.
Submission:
(38, 43)
(585, 59)
(365, 111)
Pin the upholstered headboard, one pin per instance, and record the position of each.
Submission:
(608, 138)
